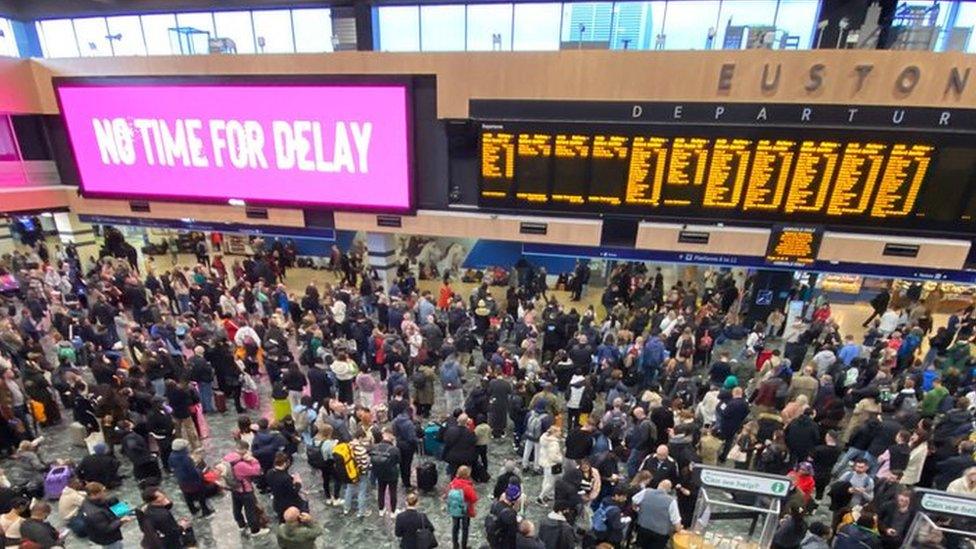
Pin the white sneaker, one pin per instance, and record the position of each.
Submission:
(365, 514)
(262, 532)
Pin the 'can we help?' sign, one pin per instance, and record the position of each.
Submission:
(330, 145)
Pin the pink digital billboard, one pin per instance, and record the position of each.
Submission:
(340, 146)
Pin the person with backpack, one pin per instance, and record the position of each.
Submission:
(304, 416)
(536, 424)
(413, 527)
(502, 521)
(461, 501)
(385, 460)
(320, 458)
(352, 465)
(241, 470)
(609, 522)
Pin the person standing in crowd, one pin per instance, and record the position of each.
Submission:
(413, 527)
(461, 501)
(102, 525)
(298, 530)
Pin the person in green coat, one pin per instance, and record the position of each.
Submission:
(298, 531)
(933, 398)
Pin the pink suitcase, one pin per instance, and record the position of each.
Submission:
(251, 400)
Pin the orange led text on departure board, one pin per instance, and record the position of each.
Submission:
(658, 173)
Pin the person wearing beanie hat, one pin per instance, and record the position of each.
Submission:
(731, 382)
(513, 492)
(189, 477)
(100, 467)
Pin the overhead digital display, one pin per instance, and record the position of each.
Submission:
(793, 245)
(906, 179)
(344, 146)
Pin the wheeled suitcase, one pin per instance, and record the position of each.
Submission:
(56, 481)
(432, 443)
(220, 401)
(427, 476)
(251, 400)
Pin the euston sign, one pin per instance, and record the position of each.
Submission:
(344, 146)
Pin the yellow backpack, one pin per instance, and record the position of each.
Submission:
(345, 464)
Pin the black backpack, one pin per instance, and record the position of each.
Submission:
(315, 458)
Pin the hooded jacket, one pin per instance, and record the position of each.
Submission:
(556, 532)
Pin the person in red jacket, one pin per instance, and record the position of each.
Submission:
(462, 482)
(803, 479)
(445, 294)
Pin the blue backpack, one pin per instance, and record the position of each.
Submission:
(456, 507)
(600, 519)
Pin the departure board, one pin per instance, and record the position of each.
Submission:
(793, 245)
(840, 177)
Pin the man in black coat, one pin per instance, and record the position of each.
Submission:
(459, 445)
(144, 463)
(879, 304)
(156, 519)
(100, 467)
(319, 384)
(499, 391)
(952, 468)
(802, 436)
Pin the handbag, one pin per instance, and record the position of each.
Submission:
(737, 455)
(425, 536)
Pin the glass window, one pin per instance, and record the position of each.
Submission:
(273, 31)
(8, 43)
(442, 28)
(58, 38)
(966, 18)
(201, 21)
(93, 37)
(313, 30)
(930, 14)
(798, 21)
(399, 28)
(536, 27)
(635, 24)
(687, 24)
(489, 27)
(587, 22)
(757, 15)
(156, 30)
(125, 32)
(235, 26)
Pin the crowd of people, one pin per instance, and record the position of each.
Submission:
(611, 404)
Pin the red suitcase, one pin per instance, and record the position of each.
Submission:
(220, 401)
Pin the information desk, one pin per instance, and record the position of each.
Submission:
(906, 179)
(942, 520)
(740, 501)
